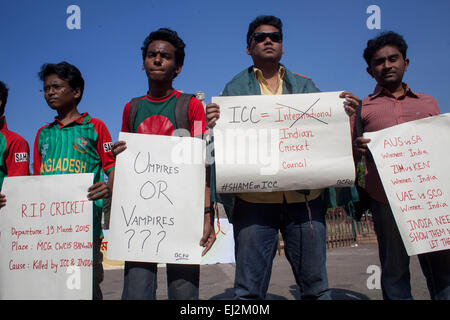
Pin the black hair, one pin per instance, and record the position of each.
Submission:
(3, 96)
(263, 20)
(66, 72)
(382, 40)
(170, 36)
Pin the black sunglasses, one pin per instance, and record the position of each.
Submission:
(261, 36)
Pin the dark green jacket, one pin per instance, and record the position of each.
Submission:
(245, 83)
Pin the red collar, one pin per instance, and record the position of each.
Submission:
(84, 118)
(379, 90)
(162, 98)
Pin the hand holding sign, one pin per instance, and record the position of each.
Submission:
(212, 114)
(2, 200)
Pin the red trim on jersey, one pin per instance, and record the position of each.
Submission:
(104, 145)
(37, 158)
(79, 120)
(125, 118)
(174, 92)
(197, 117)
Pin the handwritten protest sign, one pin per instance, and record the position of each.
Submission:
(412, 160)
(46, 238)
(282, 142)
(158, 203)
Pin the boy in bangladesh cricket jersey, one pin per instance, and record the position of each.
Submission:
(14, 150)
(163, 57)
(75, 143)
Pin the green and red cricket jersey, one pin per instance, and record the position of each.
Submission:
(82, 146)
(157, 116)
(14, 153)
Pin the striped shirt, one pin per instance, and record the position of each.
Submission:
(82, 146)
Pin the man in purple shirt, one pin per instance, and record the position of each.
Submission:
(392, 103)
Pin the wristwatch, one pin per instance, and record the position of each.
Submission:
(207, 210)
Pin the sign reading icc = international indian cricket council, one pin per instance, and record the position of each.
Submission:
(282, 142)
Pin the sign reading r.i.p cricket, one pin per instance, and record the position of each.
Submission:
(46, 238)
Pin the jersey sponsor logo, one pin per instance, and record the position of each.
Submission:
(63, 165)
(21, 157)
(107, 146)
(81, 145)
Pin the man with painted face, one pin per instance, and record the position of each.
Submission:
(163, 57)
(393, 102)
(257, 218)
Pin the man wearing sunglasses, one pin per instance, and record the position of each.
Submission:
(258, 217)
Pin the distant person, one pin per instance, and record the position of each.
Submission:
(393, 102)
(75, 142)
(14, 150)
(258, 217)
(163, 58)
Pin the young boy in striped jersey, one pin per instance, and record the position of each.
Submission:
(75, 143)
(14, 150)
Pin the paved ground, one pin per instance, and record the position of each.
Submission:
(347, 272)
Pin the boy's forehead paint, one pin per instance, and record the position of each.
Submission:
(158, 51)
(160, 45)
(54, 78)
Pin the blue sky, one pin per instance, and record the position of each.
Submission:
(323, 40)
